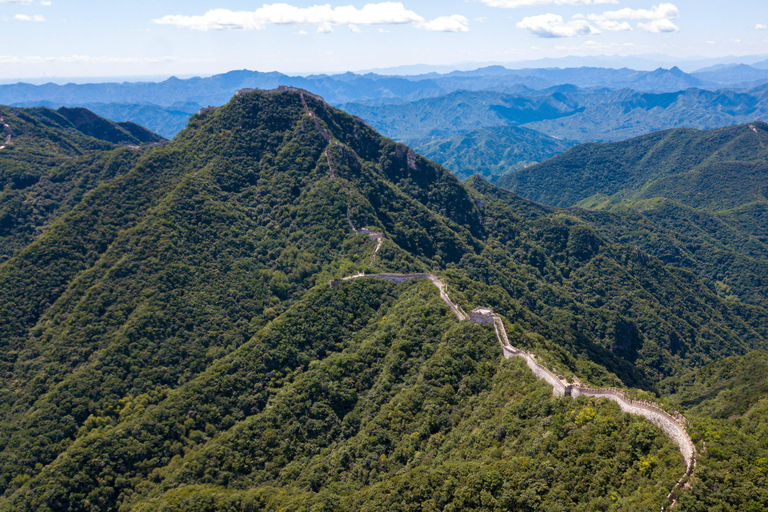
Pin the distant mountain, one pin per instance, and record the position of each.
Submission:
(462, 111)
(733, 76)
(165, 121)
(566, 112)
(490, 151)
(634, 168)
(625, 114)
(165, 106)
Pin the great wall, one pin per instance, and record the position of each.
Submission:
(672, 424)
(8, 133)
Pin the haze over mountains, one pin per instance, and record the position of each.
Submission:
(163, 106)
(170, 341)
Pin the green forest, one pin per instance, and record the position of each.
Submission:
(169, 339)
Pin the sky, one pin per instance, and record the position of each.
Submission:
(90, 38)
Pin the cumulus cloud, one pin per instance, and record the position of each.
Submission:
(611, 25)
(26, 17)
(553, 25)
(514, 4)
(658, 18)
(658, 26)
(17, 2)
(657, 12)
(455, 23)
(760, 26)
(324, 16)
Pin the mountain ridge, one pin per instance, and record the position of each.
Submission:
(186, 352)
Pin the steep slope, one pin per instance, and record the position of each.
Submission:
(51, 160)
(727, 400)
(172, 342)
(490, 151)
(624, 168)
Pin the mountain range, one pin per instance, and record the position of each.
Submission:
(170, 340)
(165, 106)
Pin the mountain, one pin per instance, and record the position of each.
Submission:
(694, 199)
(630, 114)
(490, 151)
(566, 112)
(342, 88)
(631, 106)
(165, 121)
(462, 111)
(731, 393)
(51, 159)
(734, 75)
(639, 167)
(171, 342)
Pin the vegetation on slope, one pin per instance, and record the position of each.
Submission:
(490, 151)
(172, 342)
(727, 400)
(624, 168)
(53, 159)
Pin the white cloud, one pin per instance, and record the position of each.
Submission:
(355, 29)
(657, 12)
(325, 16)
(514, 4)
(26, 17)
(760, 26)
(658, 16)
(18, 2)
(611, 25)
(303, 32)
(662, 26)
(45, 2)
(553, 25)
(325, 28)
(455, 23)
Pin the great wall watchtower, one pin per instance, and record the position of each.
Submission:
(482, 315)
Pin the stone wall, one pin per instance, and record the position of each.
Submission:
(672, 424)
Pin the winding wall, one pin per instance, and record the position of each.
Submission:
(673, 425)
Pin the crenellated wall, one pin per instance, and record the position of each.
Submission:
(673, 425)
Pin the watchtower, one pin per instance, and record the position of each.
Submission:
(481, 315)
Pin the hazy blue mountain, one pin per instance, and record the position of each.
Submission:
(490, 151)
(734, 75)
(627, 114)
(462, 111)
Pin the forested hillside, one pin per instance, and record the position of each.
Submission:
(51, 160)
(490, 151)
(171, 342)
(695, 199)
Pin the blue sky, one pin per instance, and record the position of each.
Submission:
(103, 38)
